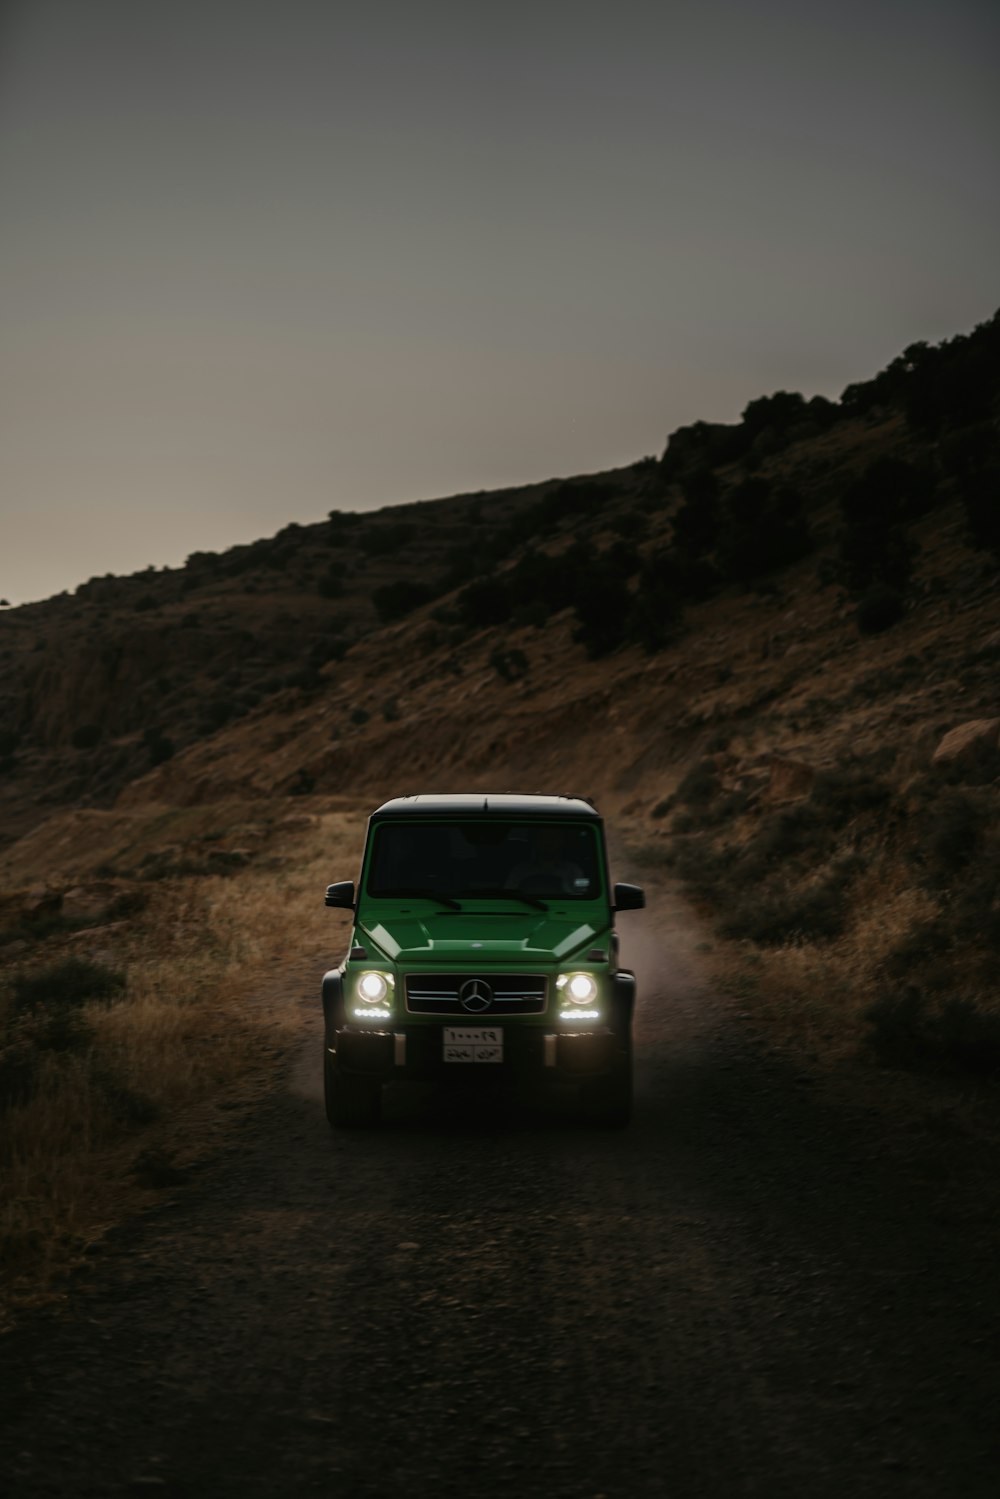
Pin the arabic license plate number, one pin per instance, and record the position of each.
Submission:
(470, 1044)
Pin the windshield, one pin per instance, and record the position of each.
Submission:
(485, 858)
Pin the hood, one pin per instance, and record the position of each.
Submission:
(448, 937)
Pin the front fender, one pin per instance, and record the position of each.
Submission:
(623, 1000)
(333, 1000)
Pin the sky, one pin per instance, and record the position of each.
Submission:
(260, 260)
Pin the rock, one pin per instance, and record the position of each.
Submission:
(957, 743)
(40, 901)
(88, 902)
(789, 779)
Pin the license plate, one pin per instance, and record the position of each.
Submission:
(464, 1043)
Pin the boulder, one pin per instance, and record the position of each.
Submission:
(789, 780)
(40, 901)
(88, 902)
(967, 739)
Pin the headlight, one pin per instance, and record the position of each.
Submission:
(582, 988)
(373, 987)
(577, 988)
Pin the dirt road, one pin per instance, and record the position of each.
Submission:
(753, 1290)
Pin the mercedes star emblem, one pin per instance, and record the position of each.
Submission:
(475, 995)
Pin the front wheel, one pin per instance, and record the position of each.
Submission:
(607, 1101)
(351, 1102)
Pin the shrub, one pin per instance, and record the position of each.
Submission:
(950, 836)
(159, 746)
(696, 523)
(71, 981)
(980, 495)
(485, 601)
(86, 736)
(905, 1032)
(510, 664)
(699, 785)
(774, 917)
(124, 1102)
(602, 607)
(18, 1074)
(764, 529)
(383, 540)
(331, 582)
(302, 784)
(879, 609)
(64, 1031)
(396, 600)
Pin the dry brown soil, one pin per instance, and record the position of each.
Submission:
(764, 1286)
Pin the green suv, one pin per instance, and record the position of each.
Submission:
(483, 948)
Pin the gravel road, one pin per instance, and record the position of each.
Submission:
(756, 1289)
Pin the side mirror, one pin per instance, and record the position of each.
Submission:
(341, 894)
(629, 898)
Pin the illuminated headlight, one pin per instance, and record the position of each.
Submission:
(580, 1015)
(371, 996)
(373, 988)
(577, 988)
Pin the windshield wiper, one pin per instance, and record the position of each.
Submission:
(412, 893)
(529, 900)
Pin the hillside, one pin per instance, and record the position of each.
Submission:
(748, 651)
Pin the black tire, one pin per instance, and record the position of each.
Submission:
(351, 1102)
(607, 1101)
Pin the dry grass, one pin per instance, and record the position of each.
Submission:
(203, 1021)
(815, 996)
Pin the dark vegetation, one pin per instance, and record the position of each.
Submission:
(795, 873)
(44, 1015)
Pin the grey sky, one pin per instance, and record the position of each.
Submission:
(261, 260)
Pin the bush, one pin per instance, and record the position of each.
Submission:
(331, 582)
(980, 495)
(18, 1074)
(485, 601)
(879, 609)
(396, 600)
(773, 918)
(950, 837)
(159, 746)
(699, 785)
(509, 665)
(764, 529)
(960, 1036)
(383, 540)
(696, 523)
(602, 607)
(71, 981)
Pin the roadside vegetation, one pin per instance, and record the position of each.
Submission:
(120, 1054)
(862, 906)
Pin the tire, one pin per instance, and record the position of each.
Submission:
(607, 1101)
(351, 1102)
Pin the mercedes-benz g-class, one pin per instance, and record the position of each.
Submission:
(483, 947)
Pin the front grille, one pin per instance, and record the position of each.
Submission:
(491, 994)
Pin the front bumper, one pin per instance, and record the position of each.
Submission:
(532, 1054)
